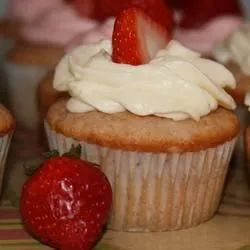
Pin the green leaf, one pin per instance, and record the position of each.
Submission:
(51, 154)
(244, 248)
(75, 151)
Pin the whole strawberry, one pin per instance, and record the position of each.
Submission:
(66, 203)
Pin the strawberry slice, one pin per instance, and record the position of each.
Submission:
(197, 13)
(157, 9)
(137, 37)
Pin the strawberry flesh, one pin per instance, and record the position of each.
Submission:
(137, 37)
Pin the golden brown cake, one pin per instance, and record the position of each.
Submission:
(147, 134)
(23, 53)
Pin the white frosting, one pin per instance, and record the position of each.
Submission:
(176, 84)
(235, 48)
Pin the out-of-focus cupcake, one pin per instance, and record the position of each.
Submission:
(234, 53)
(7, 126)
(160, 131)
(202, 24)
(47, 95)
(44, 34)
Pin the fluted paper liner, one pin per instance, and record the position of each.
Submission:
(157, 191)
(4, 148)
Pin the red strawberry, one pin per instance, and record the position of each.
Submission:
(197, 13)
(137, 37)
(157, 9)
(66, 203)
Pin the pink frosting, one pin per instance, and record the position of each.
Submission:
(102, 31)
(203, 39)
(28, 10)
(49, 21)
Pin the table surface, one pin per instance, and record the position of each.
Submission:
(220, 233)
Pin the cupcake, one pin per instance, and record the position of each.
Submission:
(7, 126)
(48, 28)
(202, 24)
(233, 52)
(162, 131)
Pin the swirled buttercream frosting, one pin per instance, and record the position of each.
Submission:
(177, 83)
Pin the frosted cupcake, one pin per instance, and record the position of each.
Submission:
(7, 126)
(44, 33)
(162, 132)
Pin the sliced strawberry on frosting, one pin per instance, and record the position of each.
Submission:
(157, 9)
(197, 13)
(137, 37)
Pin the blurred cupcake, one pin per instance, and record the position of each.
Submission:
(7, 126)
(47, 95)
(234, 53)
(202, 24)
(161, 131)
(48, 28)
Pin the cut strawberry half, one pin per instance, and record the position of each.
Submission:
(137, 37)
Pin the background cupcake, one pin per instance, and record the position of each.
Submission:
(156, 130)
(233, 52)
(47, 30)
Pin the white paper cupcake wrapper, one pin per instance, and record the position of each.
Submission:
(22, 87)
(4, 148)
(157, 191)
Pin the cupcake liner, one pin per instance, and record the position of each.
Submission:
(157, 191)
(4, 148)
(22, 87)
